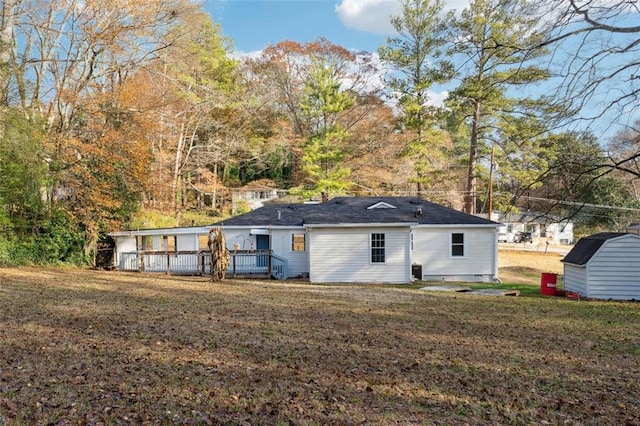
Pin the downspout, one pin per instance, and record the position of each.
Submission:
(410, 266)
(496, 256)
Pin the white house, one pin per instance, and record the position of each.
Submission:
(356, 239)
(553, 229)
(254, 194)
(604, 266)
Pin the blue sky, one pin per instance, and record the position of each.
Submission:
(255, 24)
(361, 25)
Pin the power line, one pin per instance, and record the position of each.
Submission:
(576, 203)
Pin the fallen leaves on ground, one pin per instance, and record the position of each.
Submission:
(90, 347)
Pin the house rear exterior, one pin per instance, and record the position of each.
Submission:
(604, 266)
(370, 240)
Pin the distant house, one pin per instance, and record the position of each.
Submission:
(604, 266)
(634, 228)
(541, 226)
(254, 194)
(357, 239)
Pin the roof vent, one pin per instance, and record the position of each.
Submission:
(418, 212)
(381, 205)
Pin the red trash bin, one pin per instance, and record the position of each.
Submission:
(548, 284)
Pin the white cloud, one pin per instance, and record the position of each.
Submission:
(374, 15)
(368, 15)
(437, 98)
(238, 54)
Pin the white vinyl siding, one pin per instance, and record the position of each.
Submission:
(297, 261)
(575, 279)
(344, 255)
(432, 249)
(614, 270)
(187, 242)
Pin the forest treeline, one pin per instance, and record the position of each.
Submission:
(114, 114)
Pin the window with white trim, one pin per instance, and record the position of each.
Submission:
(457, 244)
(203, 242)
(377, 248)
(298, 242)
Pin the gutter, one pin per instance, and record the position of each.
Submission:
(361, 225)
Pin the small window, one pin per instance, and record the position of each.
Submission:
(377, 248)
(298, 242)
(457, 244)
(203, 242)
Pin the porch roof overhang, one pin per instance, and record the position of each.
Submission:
(259, 228)
(162, 231)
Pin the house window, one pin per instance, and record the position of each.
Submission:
(203, 242)
(168, 243)
(457, 244)
(298, 242)
(377, 248)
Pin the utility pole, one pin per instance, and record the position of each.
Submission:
(490, 203)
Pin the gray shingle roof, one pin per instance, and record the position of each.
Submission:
(586, 247)
(354, 210)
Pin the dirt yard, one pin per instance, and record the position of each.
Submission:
(107, 348)
(525, 267)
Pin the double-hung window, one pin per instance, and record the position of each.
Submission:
(457, 245)
(298, 242)
(377, 248)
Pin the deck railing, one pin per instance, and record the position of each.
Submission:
(254, 263)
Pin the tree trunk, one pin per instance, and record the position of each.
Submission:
(7, 18)
(176, 168)
(470, 196)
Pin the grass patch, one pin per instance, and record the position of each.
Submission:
(90, 347)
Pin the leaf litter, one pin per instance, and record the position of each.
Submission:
(103, 348)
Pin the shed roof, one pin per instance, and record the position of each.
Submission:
(357, 210)
(586, 247)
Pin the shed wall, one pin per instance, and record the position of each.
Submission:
(575, 279)
(614, 270)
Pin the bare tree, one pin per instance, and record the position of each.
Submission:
(8, 10)
(597, 59)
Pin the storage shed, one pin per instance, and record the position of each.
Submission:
(604, 266)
